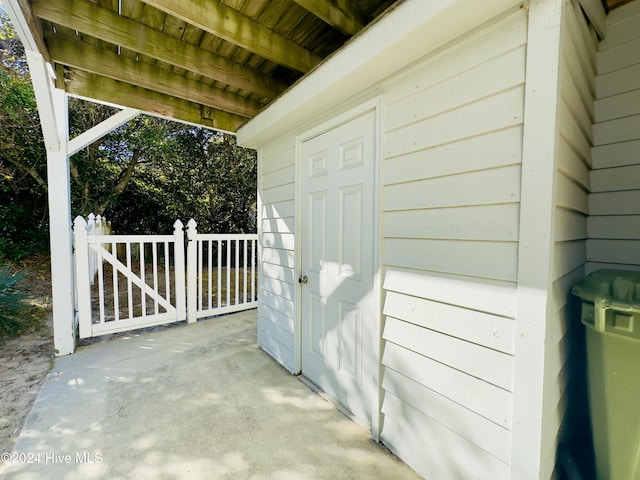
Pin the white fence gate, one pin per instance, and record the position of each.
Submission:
(124, 282)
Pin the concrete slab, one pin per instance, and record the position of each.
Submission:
(193, 401)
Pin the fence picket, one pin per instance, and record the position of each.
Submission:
(192, 258)
(179, 265)
(129, 283)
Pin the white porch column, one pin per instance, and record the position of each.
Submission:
(52, 107)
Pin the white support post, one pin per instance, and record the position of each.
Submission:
(179, 266)
(83, 271)
(192, 263)
(536, 235)
(52, 107)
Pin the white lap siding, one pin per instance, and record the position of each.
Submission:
(614, 224)
(277, 281)
(451, 174)
(564, 409)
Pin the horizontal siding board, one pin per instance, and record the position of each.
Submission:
(619, 130)
(619, 227)
(500, 185)
(618, 81)
(570, 195)
(481, 328)
(485, 222)
(496, 260)
(497, 74)
(616, 106)
(489, 365)
(576, 125)
(615, 203)
(285, 325)
(278, 155)
(279, 177)
(425, 427)
(501, 148)
(283, 209)
(278, 224)
(570, 225)
(614, 251)
(283, 289)
(277, 256)
(577, 132)
(497, 298)
(432, 456)
(574, 165)
(622, 12)
(616, 154)
(278, 272)
(591, 267)
(278, 351)
(561, 290)
(568, 256)
(507, 33)
(583, 39)
(482, 432)
(278, 194)
(279, 304)
(622, 31)
(616, 179)
(285, 241)
(481, 397)
(619, 56)
(578, 89)
(493, 113)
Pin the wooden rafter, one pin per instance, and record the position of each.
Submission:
(109, 64)
(110, 27)
(231, 25)
(341, 14)
(88, 85)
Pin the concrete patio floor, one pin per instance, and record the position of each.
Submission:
(191, 401)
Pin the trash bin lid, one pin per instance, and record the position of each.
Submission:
(621, 287)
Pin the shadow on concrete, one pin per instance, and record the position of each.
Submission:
(194, 401)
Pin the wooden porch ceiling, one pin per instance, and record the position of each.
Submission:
(216, 63)
(211, 62)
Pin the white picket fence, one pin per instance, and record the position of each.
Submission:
(96, 225)
(125, 282)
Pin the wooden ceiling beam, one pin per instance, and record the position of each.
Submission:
(117, 67)
(108, 26)
(88, 85)
(227, 23)
(340, 14)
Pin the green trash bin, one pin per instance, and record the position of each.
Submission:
(611, 313)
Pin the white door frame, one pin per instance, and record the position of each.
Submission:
(373, 105)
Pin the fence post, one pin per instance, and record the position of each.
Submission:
(82, 276)
(192, 263)
(178, 253)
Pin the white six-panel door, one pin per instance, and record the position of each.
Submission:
(337, 239)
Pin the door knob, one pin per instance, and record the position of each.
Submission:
(302, 279)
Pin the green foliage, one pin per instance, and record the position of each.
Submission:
(23, 201)
(12, 303)
(142, 176)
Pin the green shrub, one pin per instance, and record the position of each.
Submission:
(12, 303)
